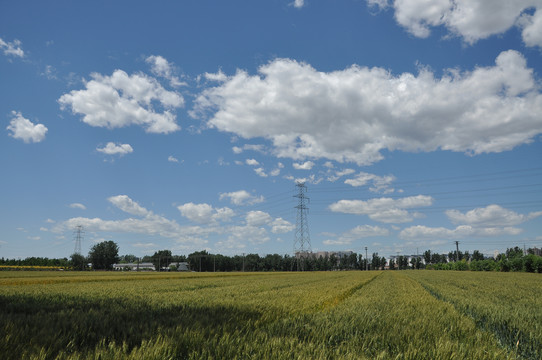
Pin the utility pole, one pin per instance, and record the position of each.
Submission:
(457, 251)
(302, 241)
(78, 234)
(366, 260)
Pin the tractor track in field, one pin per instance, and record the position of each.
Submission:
(508, 337)
(336, 300)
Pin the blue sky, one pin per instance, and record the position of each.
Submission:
(186, 125)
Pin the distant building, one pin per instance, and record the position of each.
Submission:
(135, 266)
(328, 254)
(409, 258)
(146, 266)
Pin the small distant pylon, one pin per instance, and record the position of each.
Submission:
(78, 235)
(302, 241)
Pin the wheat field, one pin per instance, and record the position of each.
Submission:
(305, 315)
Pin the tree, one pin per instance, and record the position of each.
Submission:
(392, 264)
(103, 255)
(127, 259)
(375, 263)
(427, 257)
(161, 259)
(477, 255)
(78, 262)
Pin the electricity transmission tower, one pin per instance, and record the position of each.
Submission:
(302, 241)
(78, 235)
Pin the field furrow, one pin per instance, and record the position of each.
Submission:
(507, 305)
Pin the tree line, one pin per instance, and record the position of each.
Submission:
(104, 255)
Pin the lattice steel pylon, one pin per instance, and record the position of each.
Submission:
(78, 235)
(302, 241)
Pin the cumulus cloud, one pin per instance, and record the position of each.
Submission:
(121, 100)
(307, 165)
(163, 68)
(379, 183)
(386, 210)
(172, 159)
(218, 76)
(116, 149)
(258, 218)
(492, 215)
(252, 162)
(470, 19)
(205, 213)
(126, 204)
(354, 114)
(357, 233)
(532, 28)
(298, 4)
(24, 129)
(145, 222)
(424, 232)
(253, 234)
(492, 220)
(260, 172)
(241, 197)
(281, 226)
(78, 206)
(11, 48)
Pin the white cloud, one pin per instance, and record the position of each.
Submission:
(492, 215)
(78, 206)
(281, 226)
(252, 234)
(386, 210)
(380, 183)
(49, 72)
(121, 100)
(252, 162)
(116, 149)
(470, 19)
(205, 213)
(298, 3)
(126, 204)
(354, 114)
(11, 48)
(172, 159)
(258, 218)
(532, 28)
(276, 171)
(241, 197)
(147, 223)
(424, 232)
(307, 165)
(237, 150)
(357, 233)
(218, 76)
(260, 171)
(161, 67)
(24, 129)
(492, 220)
(254, 147)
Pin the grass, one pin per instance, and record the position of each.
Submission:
(317, 315)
